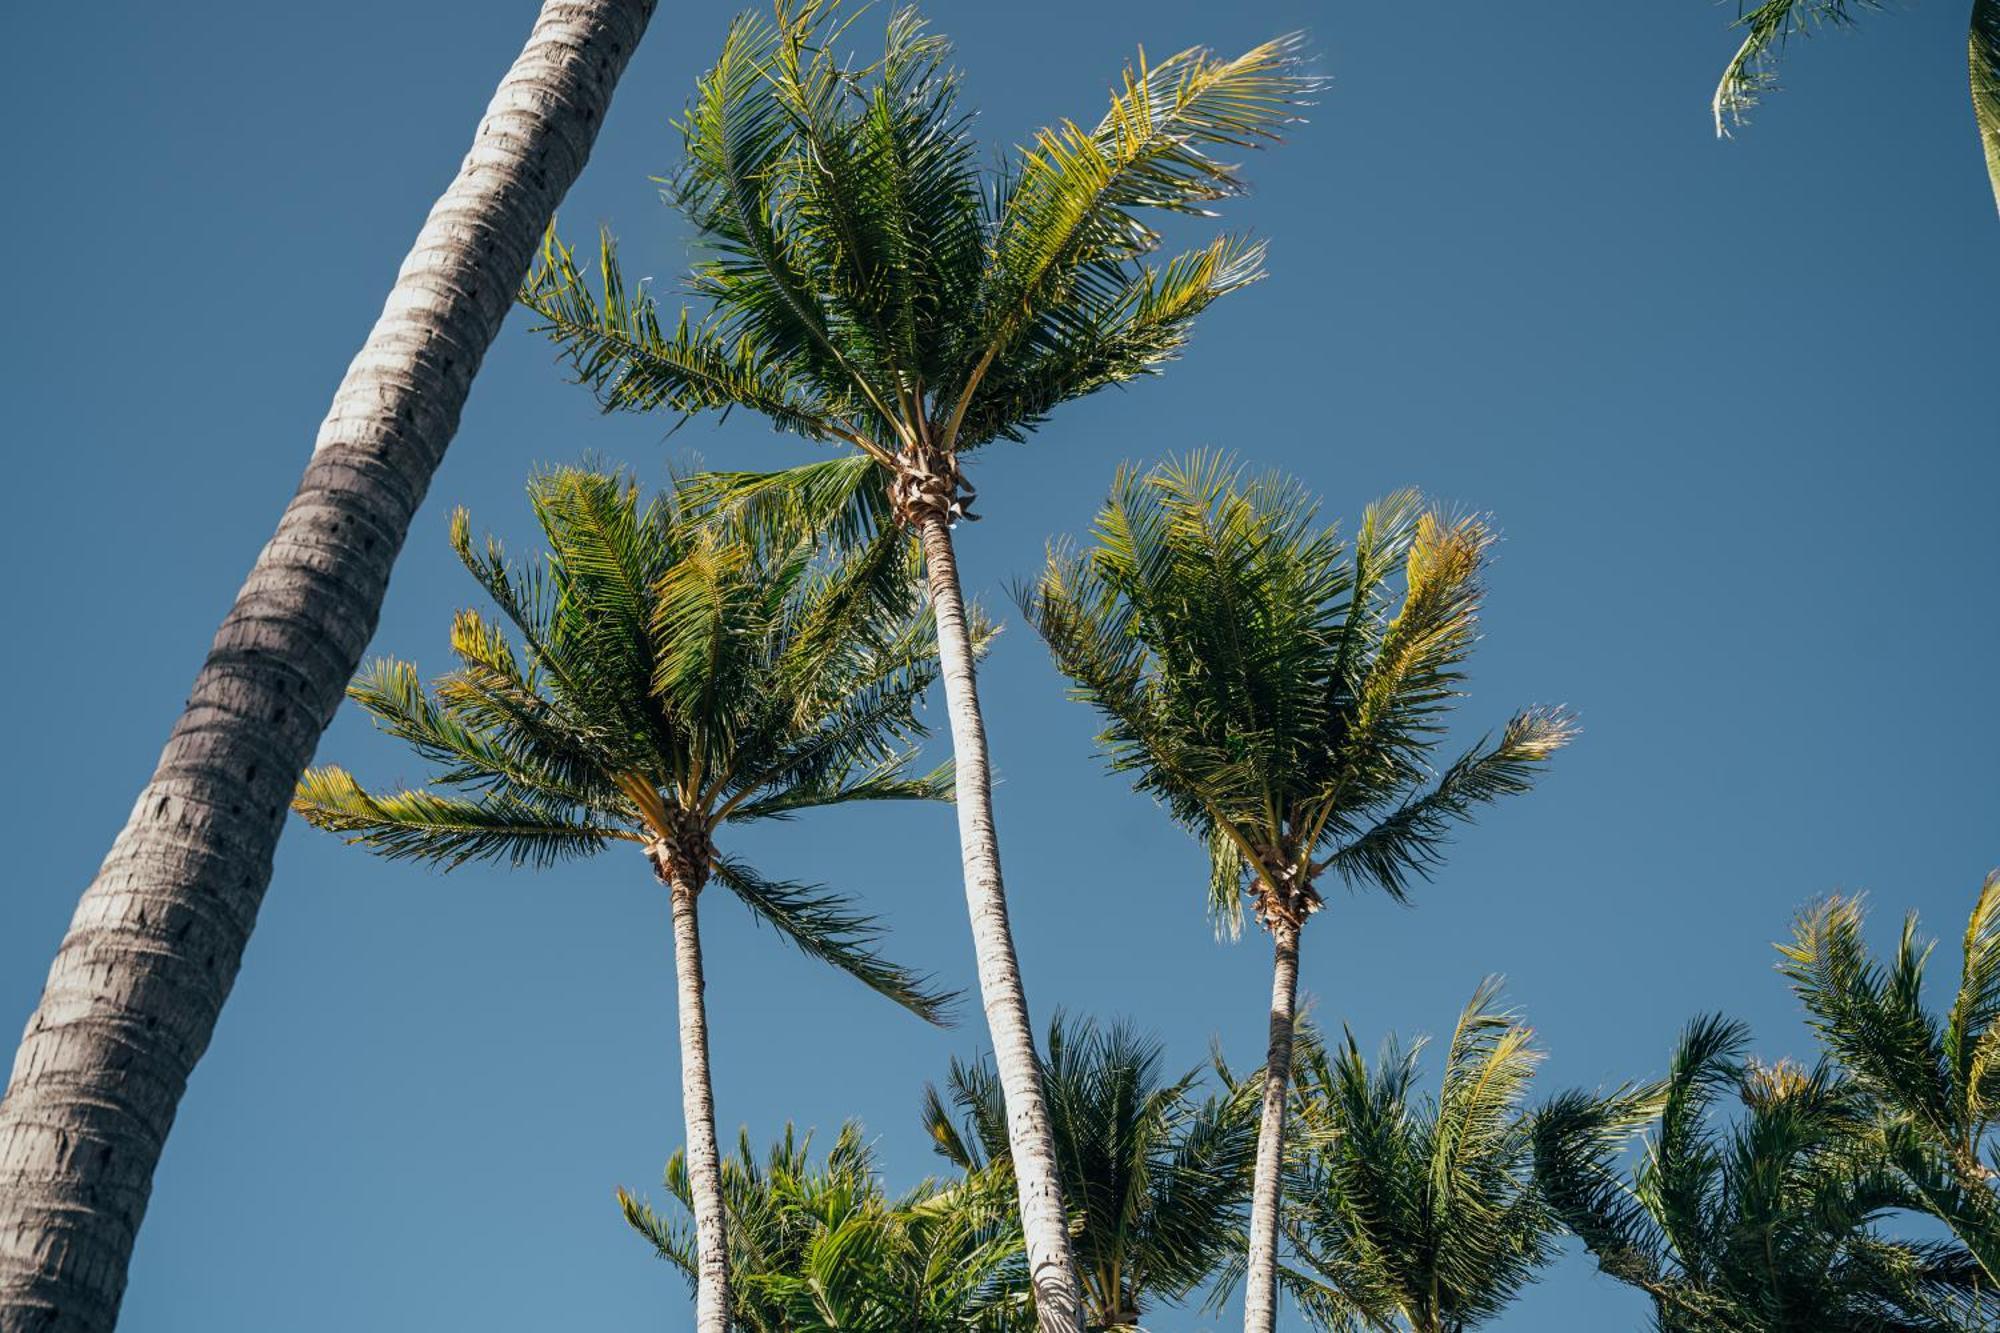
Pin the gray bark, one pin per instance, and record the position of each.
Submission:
(1045, 1224)
(704, 1157)
(1260, 1295)
(132, 998)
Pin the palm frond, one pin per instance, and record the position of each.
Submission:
(825, 925)
(1767, 27)
(1983, 46)
(448, 830)
(617, 344)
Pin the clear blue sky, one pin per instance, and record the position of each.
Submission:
(1731, 404)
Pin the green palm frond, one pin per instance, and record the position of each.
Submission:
(418, 825)
(825, 925)
(616, 342)
(1409, 840)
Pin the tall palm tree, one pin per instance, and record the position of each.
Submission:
(673, 676)
(1414, 1213)
(1770, 1224)
(823, 1246)
(1769, 24)
(866, 284)
(140, 978)
(1283, 695)
(1156, 1174)
(1935, 1078)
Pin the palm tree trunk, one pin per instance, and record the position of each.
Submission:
(1260, 1298)
(704, 1158)
(136, 987)
(1044, 1221)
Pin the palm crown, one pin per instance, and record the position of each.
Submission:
(1936, 1080)
(1278, 690)
(820, 1245)
(1411, 1212)
(867, 282)
(1156, 1173)
(1766, 1225)
(673, 675)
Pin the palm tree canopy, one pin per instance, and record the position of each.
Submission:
(1409, 1211)
(822, 1246)
(1768, 25)
(673, 674)
(866, 281)
(1936, 1077)
(1279, 690)
(1769, 1224)
(1157, 1174)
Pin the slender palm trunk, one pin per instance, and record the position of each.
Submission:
(1260, 1299)
(1044, 1222)
(704, 1158)
(153, 950)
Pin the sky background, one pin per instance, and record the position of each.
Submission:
(1729, 402)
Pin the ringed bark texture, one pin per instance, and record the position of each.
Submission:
(150, 956)
(1044, 1222)
(1260, 1296)
(704, 1156)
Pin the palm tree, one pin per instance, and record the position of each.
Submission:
(1157, 1175)
(140, 978)
(1935, 1079)
(866, 285)
(1767, 1225)
(1769, 24)
(1415, 1213)
(824, 1247)
(674, 676)
(1282, 695)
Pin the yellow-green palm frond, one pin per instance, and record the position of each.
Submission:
(1983, 50)
(449, 831)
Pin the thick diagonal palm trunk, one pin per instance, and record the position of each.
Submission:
(704, 1156)
(1045, 1224)
(141, 976)
(1260, 1294)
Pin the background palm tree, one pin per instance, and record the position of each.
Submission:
(1416, 1213)
(1157, 1175)
(822, 1246)
(866, 284)
(1282, 694)
(1769, 24)
(674, 676)
(1769, 1224)
(140, 978)
(1936, 1081)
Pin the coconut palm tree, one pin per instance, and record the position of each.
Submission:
(673, 676)
(1769, 24)
(1935, 1079)
(863, 283)
(1157, 1174)
(140, 978)
(1771, 1224)
(1282, 695)
(1415, 1213)
(822, 1246)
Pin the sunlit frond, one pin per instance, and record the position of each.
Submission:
(448, 831)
